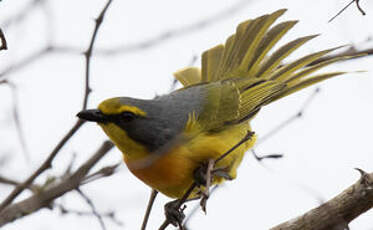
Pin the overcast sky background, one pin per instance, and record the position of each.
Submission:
(321, 149)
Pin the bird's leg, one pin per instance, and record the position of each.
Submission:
(174, 213)
(204, 175)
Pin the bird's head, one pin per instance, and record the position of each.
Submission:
(124, 121)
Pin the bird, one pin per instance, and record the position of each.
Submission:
(164, 140)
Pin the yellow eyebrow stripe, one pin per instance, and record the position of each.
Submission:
(132, 109)
(113, 106)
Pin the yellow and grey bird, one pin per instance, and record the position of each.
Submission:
(165, 139)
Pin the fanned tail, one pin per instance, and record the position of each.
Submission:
(260, 77)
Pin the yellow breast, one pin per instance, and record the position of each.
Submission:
(172, 172)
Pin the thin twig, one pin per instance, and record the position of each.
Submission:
(25, 61)
(17, 122)
(88, 53)
(291, 119)
(177, 32)
(247, 137)
(8, 181)
(70, 165)
(47, 195)
(4, 45)
(22, 13)
(46, 165)
(92, 206)
(48, 162)
(103, 172)
(344, 8)
(149, 207)
(109, 215)
(35, 56)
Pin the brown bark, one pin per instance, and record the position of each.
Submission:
(47, 195)
(338, 212)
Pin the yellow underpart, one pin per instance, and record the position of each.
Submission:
(130, 148)
(171, 172)
(113, 106)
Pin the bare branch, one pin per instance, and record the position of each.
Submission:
(46, 164)
(25, 61)
(103, 172)
(55, 190)
(88, 53)
(337, 212)
(17, 122)
(153, 195)
(177, 32)
(93, 208)
(291, 119)
(9, 181)
(22, 14)
(109, 215)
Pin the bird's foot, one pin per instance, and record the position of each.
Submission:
(174, 214)
(204, 176)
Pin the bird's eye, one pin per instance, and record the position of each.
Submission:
(127, 116)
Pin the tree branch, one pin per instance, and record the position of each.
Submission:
(48, 194)
(338, 212)
(344, 8)
(88, 53)
(177, 32)
(46, 165)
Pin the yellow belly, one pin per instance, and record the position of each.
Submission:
(172, 173)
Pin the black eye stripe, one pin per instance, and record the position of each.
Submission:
(125, 116)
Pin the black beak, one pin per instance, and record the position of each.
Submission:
(92, 115)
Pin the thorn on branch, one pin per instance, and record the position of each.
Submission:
(365, 179)
(268, 156)
(359, 7)
(4, 45)
(93, 208)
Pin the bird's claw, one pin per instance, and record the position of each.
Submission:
(174, 214)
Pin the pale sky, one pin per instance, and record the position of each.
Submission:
(321, 149)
